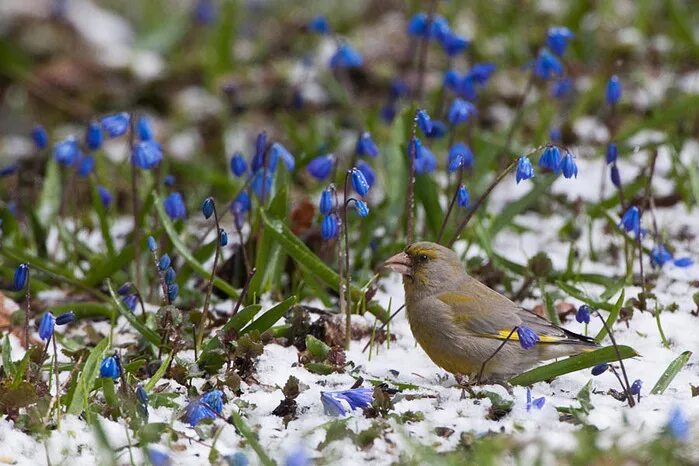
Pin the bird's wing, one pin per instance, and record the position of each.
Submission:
(549, 332)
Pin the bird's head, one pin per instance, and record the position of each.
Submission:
(426, 265)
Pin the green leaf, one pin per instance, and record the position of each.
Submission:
(243, 316)
(186, 255)
(582, 296)
(506, 216)
(87, 378)
(269, 318)
(102, 218)
(104, 267)
(319, 368)
(670, 373)
(150, 385)
(611, 318)
(572, 364)
(584, 397)
(317, 347)
(22, 368)
(140, 327)
(244, 430)
(50, 197)
(427, 195)
(7, 364)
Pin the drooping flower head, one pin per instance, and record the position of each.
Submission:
(329, 228)
(207, 207)
(613, 93)
(551, 158)
(321, 166)
(480, 73)
(568, 166)
(86, 166)
(46, 326)
(462, 196)
(21, 277)
(361, 208)
(659, 255)
(239, 165)
(214, 399)
(525, 170)
(460, 151)
(346, 57)
(197, 410)
(341, 402)
(144, 128)
(367, 171)
(359, 182)
(67, 151)
(631, 221)
(319, 25)
(636, 387)
(454, 44)
(424, 122)
(40, 138)
(115, 125)
(678, 425)
(583, 314)
(460, 111)
(600, 369)
(110, 368)
(557, 39)
(527, 337)
(612, 153)
(366, 146)
(146, 154)
(547, 66)
(93, 136)
(174, 206)
(327, 202)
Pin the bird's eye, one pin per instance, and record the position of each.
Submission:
(423, 258)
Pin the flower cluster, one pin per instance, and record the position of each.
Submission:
(342, 402)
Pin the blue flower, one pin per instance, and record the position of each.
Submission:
(631, 221)
(319, 25)
(93, 136)
(562, 88)
(341, 402)
(417, 26)
(46, 326)
(222, 237)
(460, 111)
(152, 245)
(207, 207)
(366, 146)
(683, 262)
(614, 175)
(8, 170)
(583, 314)
(462, 196)
(551, 158)
(238, 164)
(197, 410)
(298, 457)
(424, 122)
(214, 399)
(636, 387)
(144, 129)
(21, 277)
(538, 403)
(205, 12)
(467, 88)
(261, 187)
(398, 88)
(110, 368)
(557, 39)
(525, 170)
(659, 255)
(480, 73)
(170, 276)
(555, 135)
(242, 201)
(237, 459)
(158, 457)
(124, 289)
(439, 129)
(174, 206)
(278, 151)
(527, 337)
(613, 93)
(677, 425)
(346, 57)
(86, 166)
(456, 160)
(321, 166)
(146, 154)
(67, 151)
(611, 153)
(172, 291)
(568, 166)
(169, 181)
(326, 201)
(547, 66)
(329, 228)
(367, 171)
(359, 182)
(362, 208)
(40, 138)
(388, 112)
(462, 151)
(451, 80)
(130, 302)
(117, 124)
(600, 369)
(425, 162)
(66, 318)
(164, 262)
(439, 28)
(454, 44)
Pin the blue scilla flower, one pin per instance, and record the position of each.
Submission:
(158, 457)
(170, 275)
(562, 88)
(8, 170)
(583, 314)
(367, 171)
(359, 182)
(683, 262)
(222, 237)
(615, 176)
(21, 277)
(425, 161)
(659, 255)
(417, 25)
(456, 160)
(537, 403)
(424, 122)
(110, 368)
(366, 146)
(636, 387)
(439, 29)
(144, 129)
(600, 369)
(125, 289)
(130, 301)
(525, 170)
(361, 207)
(340, 403)
(547, 66)
(239, 166)
(612, 153)
(169, 181)
(319, 25)
(152, 244)
(613, 93)
(454, 44)
(462, 196)
(115, 125)
(568, 166)
(527, 337)
(297, 457)
(262, 183)
(555, 135)
(329, 228)
(172, 291)
(174, 206)
(164, 262)
(480, 73)
(86, 166)
(66, 318)
(631, 221)
(67, 151)
(551, 158)
(196, 411)
(214, 399)
(46, 326)
(451, 80)
(462, 150)
(242, 201)
(205, 12)
(678, 425)
(388, 112)
(40, 138)
(439, 130)
(346, 57)
(398, 88)
(93, 135)
(146, 154)
(277, 151)
(557, 39)
(207, 207)
(466, 88)
(237, 459)
(326, 201)
(321, 166)
(460, 111)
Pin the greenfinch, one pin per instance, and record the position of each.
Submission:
(469, 329)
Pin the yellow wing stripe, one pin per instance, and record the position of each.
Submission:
(503, 334)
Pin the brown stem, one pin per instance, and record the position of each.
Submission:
(58, 387)
(410, 198)
(28, 308)
(451, 204)
(627, 387)
(135, 207)
(480, 373)
(345, 286)
(244, 292)
(210, 287)
(383, 325)
(424, 48)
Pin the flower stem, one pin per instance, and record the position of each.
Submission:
(345, 286)
(210, 287)
(135, 207)
(424, 48)
(251, 273)
(27, 308)
(410, 198)
(58, 387)
(451, 204)
(627, 387)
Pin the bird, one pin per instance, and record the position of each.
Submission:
(469, 329)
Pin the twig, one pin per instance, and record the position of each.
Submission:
(345, 286)
(210, 287)
(627, 387)
(451, 204)
(383, 325)
(480, 373)
(244, 292)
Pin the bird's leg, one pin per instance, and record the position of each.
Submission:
(466, 386)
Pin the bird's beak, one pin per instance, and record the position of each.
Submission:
(400, 263)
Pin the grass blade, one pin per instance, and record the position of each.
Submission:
(87, 378)
(269, 318)
(140, 327)
(670, 373)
